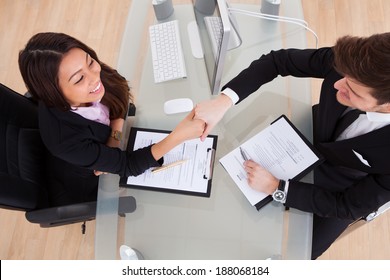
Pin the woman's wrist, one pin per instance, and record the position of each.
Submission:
(165, 145)
(117, 124)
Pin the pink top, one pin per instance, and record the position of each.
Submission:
(96, 112)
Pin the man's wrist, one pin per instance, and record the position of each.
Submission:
(280, 194)
(231, 94)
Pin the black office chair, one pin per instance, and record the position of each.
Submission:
(23, 157)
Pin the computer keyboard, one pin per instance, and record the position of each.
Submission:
(215, 30)
(167, 52)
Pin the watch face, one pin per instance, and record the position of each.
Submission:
(117, 135)
(279, 195)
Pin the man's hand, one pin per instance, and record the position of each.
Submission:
(259, 178)
(211, 112)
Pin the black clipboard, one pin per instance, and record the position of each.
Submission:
(206, 175)
(299, 176)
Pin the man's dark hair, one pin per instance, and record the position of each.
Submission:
(366, 60)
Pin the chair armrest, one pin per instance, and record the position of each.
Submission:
(61, 215)
(378, 212)
(127, 204)
(75, 213)
(132, 110)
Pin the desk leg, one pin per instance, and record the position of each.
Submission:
(107, 217)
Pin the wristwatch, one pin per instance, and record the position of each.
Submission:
(117, 135)
(280, 195)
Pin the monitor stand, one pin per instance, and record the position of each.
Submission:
(193, 35)
(235, 39)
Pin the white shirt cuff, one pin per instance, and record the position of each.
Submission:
(231, 94)
(286, 187)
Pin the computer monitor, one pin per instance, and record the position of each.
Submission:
(206, 12)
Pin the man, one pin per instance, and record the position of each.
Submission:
(354, 180)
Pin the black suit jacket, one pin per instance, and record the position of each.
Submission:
(344, 187)
(81, 143)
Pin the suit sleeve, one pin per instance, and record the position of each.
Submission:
(82, 142)
(84, 152)
(356, 201)
(314, 63)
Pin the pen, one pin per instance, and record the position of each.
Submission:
(173, 164)
(244, 154)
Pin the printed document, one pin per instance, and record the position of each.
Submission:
(280, 149)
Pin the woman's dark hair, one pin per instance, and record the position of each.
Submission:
(366, 60)
(39, 64)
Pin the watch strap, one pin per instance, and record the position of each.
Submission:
(282, 185)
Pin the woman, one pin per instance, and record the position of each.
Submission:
(82, 106)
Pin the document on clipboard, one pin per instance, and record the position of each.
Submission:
(189, 166)
(281, 149)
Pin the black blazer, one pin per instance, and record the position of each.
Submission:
(81, 142)
(344, 186)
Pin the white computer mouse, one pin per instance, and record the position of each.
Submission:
(179, 105)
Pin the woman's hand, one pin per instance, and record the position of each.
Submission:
(189, 128)
(98, 173)
(212, 111)
(259, 178)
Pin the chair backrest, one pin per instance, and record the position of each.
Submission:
(22, 153)
(26, 169)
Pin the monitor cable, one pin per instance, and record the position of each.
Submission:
(296, 21)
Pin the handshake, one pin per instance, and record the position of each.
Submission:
(203, 118)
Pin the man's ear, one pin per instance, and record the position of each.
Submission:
(385, 108)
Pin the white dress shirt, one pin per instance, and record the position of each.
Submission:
(365, 123)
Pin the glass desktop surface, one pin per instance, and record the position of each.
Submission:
(224, 225)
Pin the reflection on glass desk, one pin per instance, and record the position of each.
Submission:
(225, 225)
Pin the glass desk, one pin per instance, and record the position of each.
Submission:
(225, 225)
